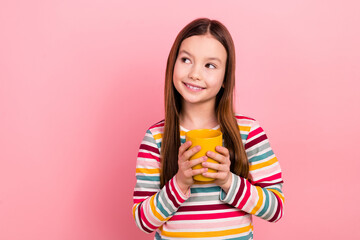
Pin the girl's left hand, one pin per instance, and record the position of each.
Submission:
(223, 176)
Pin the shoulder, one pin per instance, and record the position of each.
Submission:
(245, 121)
(157, 128)
(248, 126)
(153, 135)
(251, 129)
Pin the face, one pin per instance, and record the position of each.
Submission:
(199, 69)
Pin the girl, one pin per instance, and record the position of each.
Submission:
(199, 86)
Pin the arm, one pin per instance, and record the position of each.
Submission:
(153, 206)
(260, 194)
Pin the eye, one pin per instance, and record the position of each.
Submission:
(184, 59)
(209, 64)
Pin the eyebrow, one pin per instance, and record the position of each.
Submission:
(210, 58)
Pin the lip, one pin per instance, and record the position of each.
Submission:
(194, 90)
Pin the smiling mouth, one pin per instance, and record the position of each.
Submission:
(193, 87)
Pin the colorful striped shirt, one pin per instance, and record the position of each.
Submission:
(207, 212)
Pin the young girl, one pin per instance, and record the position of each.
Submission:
(199, 87)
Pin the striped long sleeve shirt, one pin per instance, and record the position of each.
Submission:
(207, 212)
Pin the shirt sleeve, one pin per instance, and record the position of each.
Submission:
(261, 194)
(153, 206)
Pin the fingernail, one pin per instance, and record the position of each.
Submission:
(205, 157)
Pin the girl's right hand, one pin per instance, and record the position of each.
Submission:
(184, 176)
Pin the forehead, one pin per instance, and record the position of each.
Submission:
(203, 46)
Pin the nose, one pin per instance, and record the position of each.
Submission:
(194, 73)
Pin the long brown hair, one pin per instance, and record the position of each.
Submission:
(223, 106)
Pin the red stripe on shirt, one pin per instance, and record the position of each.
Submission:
(170, 196)
(255, 141)
(143, 193)
(148, 155)
(204, 207)
(243, 117)
(255, 132)
(279, 206)
(208, 216)
(247, 194)
(149, 148)
(269, 179)
(141, 219)
(176, 193)
(239, 191)
(158, 124)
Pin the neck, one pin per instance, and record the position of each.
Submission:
(195, 116)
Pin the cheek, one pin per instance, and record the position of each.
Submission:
(177, 72)
(177, 78)
(221, 78)
(216, 80)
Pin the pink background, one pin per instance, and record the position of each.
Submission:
(81, 81)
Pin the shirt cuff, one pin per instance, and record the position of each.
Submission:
(229, 196)
(182, 195)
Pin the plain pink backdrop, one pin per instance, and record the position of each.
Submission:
(81, 81)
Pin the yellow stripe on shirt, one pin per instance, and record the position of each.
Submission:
(263, 164)
(260, 201)
(157, 136)
(153, 209)
(134, 209)
(277, 193)
(244, 128)
(148, 170)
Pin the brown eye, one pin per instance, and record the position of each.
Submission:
(184, 59)
(211, 65)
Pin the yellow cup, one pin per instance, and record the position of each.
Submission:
(208, 139)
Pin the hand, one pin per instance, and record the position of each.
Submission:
(184, 176)
(223, 176)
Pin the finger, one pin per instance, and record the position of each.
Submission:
(211, 175)
(194, 162)
(199, 171)
(216, 156)
(187, 155)
(222, 150)
(184, 147)
(215, 166)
